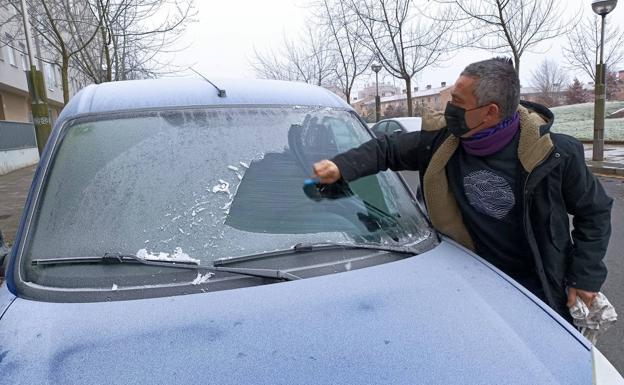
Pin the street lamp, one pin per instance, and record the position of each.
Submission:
(377, 68)
(602, 8)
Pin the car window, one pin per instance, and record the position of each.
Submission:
(213, 183)
(393, 127)
(380, 128)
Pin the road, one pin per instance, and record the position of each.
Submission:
(611, 344)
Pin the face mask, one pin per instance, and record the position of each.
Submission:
(456, 120)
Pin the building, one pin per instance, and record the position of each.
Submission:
(396, 105)
(14, 94)
(370, 90)
(17, 148)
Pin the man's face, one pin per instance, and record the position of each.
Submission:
(477, 117)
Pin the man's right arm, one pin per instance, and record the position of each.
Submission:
(396, 152)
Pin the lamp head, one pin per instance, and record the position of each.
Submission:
(603, 7)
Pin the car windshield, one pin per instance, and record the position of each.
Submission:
(211, 184)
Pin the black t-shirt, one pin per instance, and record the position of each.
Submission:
(488, 192)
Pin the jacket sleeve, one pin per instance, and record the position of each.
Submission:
(396, 152)
(587, 201)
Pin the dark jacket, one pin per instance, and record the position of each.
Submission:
(556, 182)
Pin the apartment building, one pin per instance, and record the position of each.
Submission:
(14, 95)
(396, 105)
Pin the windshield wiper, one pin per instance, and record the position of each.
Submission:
(117, 258)
(304, 247)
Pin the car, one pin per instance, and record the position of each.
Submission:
(172, 235)
(392, 125)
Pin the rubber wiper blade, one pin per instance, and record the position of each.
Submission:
(304, 247)
(369, 246)
(116, 258)
(261, 273)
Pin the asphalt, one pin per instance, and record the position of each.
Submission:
(612, 163)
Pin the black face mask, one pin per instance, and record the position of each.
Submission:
(456, 119)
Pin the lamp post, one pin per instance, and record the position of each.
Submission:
(377, 68)
(602, 8)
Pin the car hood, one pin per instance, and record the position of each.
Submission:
(440, 317)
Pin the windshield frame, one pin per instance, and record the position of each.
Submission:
(24, 236)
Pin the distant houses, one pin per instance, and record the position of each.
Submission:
(394, 100)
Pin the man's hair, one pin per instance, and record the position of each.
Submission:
(497, 82)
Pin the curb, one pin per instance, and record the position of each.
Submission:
(607, 171)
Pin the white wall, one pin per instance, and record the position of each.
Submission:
(15, 159)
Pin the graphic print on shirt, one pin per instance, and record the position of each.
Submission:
(489, 194)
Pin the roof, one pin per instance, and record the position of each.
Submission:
(415, 94)
(411, 124)
(185, 92)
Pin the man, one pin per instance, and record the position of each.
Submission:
(497, 181)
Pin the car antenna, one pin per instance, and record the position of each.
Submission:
(220, 92)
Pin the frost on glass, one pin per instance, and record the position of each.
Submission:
(214, 183)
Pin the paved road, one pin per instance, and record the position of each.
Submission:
(611, 344)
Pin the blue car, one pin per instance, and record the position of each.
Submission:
(169, 238)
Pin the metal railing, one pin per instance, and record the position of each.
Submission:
(16, 135)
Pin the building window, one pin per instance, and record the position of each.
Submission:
(10, 50)
(23, 56)
(50, 76)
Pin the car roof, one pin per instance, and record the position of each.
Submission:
(187, 92)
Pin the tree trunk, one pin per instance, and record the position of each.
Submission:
(408, 85)
(65, 77)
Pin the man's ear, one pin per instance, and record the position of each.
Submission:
(494, 112)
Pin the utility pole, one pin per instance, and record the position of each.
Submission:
(37, 89)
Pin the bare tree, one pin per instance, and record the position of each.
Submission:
(10, 23)
(132, 36)
(550, 81)
(508, 26)
(345, 30)
(403, 42)
(583, 46)
(67, 28)
(309, 60)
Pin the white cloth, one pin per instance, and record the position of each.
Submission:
(595, 319)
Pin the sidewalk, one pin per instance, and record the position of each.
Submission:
(14, 187)
(613, 163)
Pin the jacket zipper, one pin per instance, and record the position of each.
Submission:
(536, 256)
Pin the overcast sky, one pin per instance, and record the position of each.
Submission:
(221, 44)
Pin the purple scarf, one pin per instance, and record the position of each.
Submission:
(493, 139)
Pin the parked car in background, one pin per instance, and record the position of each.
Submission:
(392, 125)
(169, 238)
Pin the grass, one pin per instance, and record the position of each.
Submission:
(577, 120)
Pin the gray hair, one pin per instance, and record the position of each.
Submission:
(497, 82)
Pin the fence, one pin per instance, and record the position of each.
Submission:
(16, 135)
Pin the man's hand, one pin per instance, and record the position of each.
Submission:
(586, 296)
(326, 171)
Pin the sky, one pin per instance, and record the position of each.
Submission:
(221, 43)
